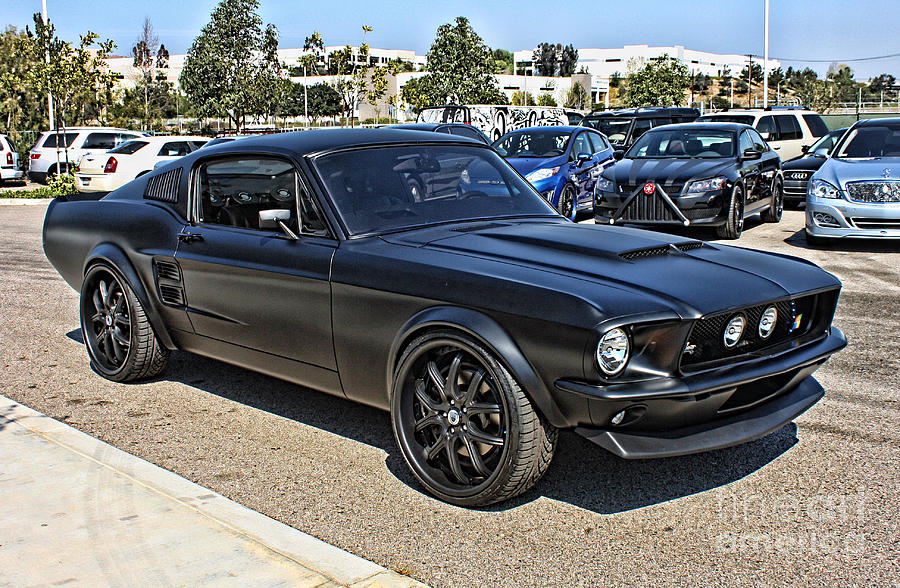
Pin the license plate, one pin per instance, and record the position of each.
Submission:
(85, 181)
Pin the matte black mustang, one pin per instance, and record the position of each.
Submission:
(482, 319)
(712, 174)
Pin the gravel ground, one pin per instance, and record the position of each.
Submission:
(815, 502)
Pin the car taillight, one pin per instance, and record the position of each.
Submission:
(110, 167)
(9, 158)
(35, 155)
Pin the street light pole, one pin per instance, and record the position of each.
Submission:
(49, 93)
(766, 62)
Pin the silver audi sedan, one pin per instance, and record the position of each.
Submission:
(856, 192)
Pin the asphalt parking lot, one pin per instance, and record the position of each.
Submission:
(813, 503)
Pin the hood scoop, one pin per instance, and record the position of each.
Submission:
(661, 250)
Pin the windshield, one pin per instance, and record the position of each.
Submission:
(733, 118)
(615, 128)
(826, 142)
(384, 189)
(870, 141)
(547, 143)
(128, 147)
(683, 143)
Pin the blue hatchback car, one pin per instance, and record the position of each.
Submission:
(562, 163)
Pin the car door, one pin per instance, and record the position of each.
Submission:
(790, 135)
(749, 171)
(581, 173)
(252, 285)
(768, 166)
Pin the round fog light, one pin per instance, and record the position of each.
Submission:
(613, 351)
(734, 330)
(767, 322)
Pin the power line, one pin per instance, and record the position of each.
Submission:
(838, 60)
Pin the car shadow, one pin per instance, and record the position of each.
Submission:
(581, 474)
(874, 245)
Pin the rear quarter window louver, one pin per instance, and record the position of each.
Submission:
(164, 187)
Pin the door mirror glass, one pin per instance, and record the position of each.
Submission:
(268, 219)
(751, 154)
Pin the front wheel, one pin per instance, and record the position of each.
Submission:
(566, 204)
(464, 426)
(119, 339)
(734, 224)
(776, 209)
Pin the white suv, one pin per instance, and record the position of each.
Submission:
(57, 152)
(786, 130)
(9, 160)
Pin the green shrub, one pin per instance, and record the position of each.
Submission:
(59, 186)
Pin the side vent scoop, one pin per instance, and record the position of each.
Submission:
(168, 282)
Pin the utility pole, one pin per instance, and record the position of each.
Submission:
(766, 61)
(750, 81)
(49, 93)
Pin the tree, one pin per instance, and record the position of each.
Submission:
(76, 75)
(752, 73)
(377, 88)
(503, 61)
(521, 98)
(577, 97)
(660, 82)
(881, 83)
(843, 84)
(20, 104)
(461, 69)
(554, 60)
(546, 100)
(231, 65)
(149, 56)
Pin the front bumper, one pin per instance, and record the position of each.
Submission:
(706, 410)
(854, 220)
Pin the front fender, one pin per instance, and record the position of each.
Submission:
(490, 334)
(116, 258)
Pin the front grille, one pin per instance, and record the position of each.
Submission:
(876, 223)
(796, 188)
(874, 191)
(795, 317)
(648, 208)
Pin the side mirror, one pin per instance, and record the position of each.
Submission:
(583, 158)
(276, 218)
(751, 153)
(804, 149)
(618, 155)
(823, 153)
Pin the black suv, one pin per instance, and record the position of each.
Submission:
(624, 126)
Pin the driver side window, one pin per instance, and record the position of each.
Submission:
(744, 143)
(232, 192)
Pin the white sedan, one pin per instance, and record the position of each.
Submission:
(104, 172)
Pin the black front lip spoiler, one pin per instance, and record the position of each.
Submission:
(741, 428)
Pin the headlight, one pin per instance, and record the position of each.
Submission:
(613, 351)
(541, 174)
(767, 322)
(822, 189)
(604, 185)
(707, 185)
(733, 331)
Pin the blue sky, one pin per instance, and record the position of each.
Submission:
(825, 30)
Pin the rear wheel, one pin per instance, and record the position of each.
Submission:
(465, 427)
(734, 224)
(776, 209)
(119, 339)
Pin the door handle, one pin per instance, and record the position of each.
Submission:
(189, 237)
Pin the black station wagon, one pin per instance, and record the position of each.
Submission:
(471, 310)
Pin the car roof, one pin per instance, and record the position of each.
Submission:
(760, 111)
(429, 126)
(320, 140)
(644, 112)
(99, 129)
(164, 138)
(569, 128)
(718, 126)
(869, 122)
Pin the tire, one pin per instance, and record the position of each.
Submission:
(120, 342)
(774, 213)
(438, 429)
(734, 224)
(566, 205)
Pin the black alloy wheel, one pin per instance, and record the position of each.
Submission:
(119, 339)
(566, 205)
(775, 211)
(465, 428)
(734, 224)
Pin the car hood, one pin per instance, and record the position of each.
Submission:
(526, 165)
(693, 282)
(663, 171)
(841, 171)
(808, 163)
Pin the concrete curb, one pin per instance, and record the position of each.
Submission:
(25, 201)
(332, 562)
